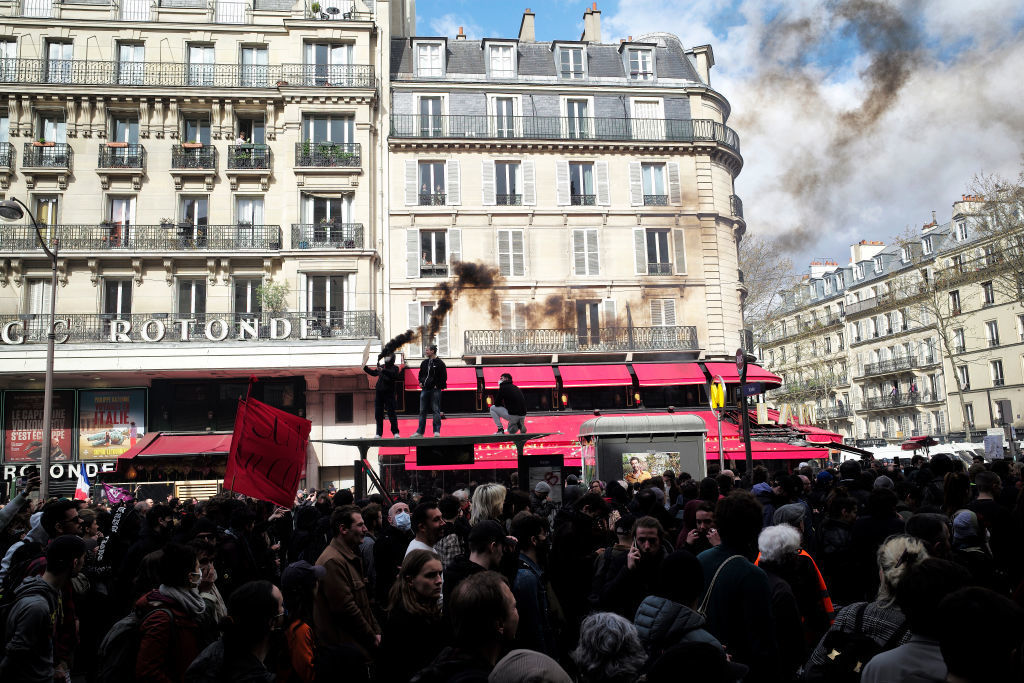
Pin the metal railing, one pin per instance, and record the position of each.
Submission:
(204, 157)
(479, 342)
(508, 199)
(437, 199)
(834, 413)
(6, 154)
(182, 74)
(736, 205)
(891, 365)
(330, 10)
(130, 237)
(37, 8)
(124, 156)
(195, 327)
(50, 155)
(893, 401)
(328, 154)
(248, 157)
(232, 12)
(659, 268)
(134, 10)
(583, 199)
(655, 200)
(327, 236)
(561, 128)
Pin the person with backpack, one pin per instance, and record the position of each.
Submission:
(29, 619)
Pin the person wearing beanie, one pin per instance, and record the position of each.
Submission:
(970, 550)
(527, 666)
(540, 501)
(883, 482)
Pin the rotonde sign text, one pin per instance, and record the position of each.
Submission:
(183, 329)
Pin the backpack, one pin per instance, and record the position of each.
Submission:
(846, 653)
(120, 647)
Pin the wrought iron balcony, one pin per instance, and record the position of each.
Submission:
(583, 199)
(736, 205)
(86, 328)
(508, 199)
(835, 413)
(6, 154)
(677, 338)
(437, 199)
(183, 74)
(561, 128)
(327, 236)
(328, 154)
(123, 237)
(47, 155)
(335, 10)
(655, 200)
(891, 365)
(121, 155)
(183, 156)
(42, 9)
(659, 268)
(893, 401)
(248, 157)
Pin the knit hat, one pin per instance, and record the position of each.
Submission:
(527, 666)
(542, 487)
(824, 478)
(791, 514)
(883, 482)
(965, 525)
(301, 574)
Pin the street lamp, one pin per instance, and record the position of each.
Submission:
(12, 210)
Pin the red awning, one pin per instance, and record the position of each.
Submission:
(163, 443)
(760, 450)
(594, 376)
(459, 379)
(668, 374)
(524, 377)
(755, 373)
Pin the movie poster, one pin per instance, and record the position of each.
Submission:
(23, 426)
(110, 421)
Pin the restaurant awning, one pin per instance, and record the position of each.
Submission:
(668, 374)
(459, 379)
(524, 377)
(170, 443)
(755, 373)
(594, 376)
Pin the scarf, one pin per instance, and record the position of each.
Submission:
(189, 599)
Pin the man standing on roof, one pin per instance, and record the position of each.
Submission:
(386, 373)
(510, 405)
(433, 378)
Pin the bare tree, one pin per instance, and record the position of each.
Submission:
(995, 209)
(766, 274)
(814, 380)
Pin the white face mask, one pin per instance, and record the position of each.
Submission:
(403, 521)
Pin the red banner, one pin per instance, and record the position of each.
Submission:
(268, 453)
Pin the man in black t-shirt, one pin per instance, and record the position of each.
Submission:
(510, 405)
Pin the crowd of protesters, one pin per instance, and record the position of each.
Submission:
(861, 571)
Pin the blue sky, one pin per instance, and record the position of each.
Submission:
(857, 118)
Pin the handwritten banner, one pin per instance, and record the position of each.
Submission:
(268, 452)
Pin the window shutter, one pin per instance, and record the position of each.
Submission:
(529, 183)
(640, 250)
(504, 255)
(518, 254)
(412, 253)
(593, 256)
(519, 319)
(636, 184)
(454, 246)
(487, 182)
(454, 184)
(579, 251)
(562, 182)
(411, 193)
(506, 315)
(657, 320)
(679, 245)
(674, 191)
(414, 315)
(608, 312)
(668, 312)
(442, 338)
(601, 181)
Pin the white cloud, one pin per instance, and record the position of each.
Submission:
(822, 177)
(448, 25)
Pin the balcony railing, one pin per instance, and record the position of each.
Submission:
(182, 74)
(655, 200)
(560, 128)
(51, 155)
(891, 365)
(232, 12)
(736, 205)
(37, 8)
(160, 238)
(162, 327)
(6, 154)
(126, 156)
(479, 342)
(334, 10)
(835, 413)
(328, 154)
(894, 401)
(248, 157)
(204, 157)
(437, 199)
(327, 236)
(508, 199)
(583, 199)
(659, 268)
(998, 381)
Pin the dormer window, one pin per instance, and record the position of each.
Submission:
(501, 60)
(961, 230)
(641, 64)
(905, 254)
(878, 264)
(840, 280)
(926, 245)
(858, 272)
(570, 61)
(430, 58)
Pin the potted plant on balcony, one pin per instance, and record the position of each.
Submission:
(192, 145)
(315, 9)
(42, 142)
(273, 298)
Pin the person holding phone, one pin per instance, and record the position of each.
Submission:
(26, 485)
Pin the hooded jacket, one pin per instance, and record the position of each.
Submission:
(663, 623)
(764, 494)
(28, 653)
(169, 643)
(36, 534)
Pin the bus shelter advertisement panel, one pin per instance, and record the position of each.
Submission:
(110, 421)
(639, 467)
(23, 426)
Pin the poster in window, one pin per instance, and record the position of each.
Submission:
(110, 421)
(23, 426)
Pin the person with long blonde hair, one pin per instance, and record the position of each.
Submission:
(414, 632)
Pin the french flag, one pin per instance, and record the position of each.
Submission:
(82, 490)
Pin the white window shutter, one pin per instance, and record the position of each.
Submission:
(562, 182)
(529, 183)
(674, 191)
(519, 319)
(608, 313)
(411, 192)
(504, 252)
(412, 253)
(640, 250)
(454, 246)
(636, 184)
(507, 308)
(579, 251)
(454, 182)
(679, 246)
(442, 338)
(487, 182)
(518, 254)
(593, 254)
(668, 310)
(601, 181)
(657, 320)
(414, 312)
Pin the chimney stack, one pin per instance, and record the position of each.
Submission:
(527, 33)
(592, 25)
(934, 222)
(461, 36)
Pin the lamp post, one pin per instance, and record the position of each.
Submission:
(11, 210)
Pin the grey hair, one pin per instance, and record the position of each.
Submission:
(777, 542)
(461, 494)
(609, 650)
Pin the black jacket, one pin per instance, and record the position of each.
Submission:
(409, 643)
(433, 374)
(387, 377)
(511, 396)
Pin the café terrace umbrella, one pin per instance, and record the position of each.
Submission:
(919, 442)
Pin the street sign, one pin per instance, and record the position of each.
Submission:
(753, 389)
(741, 364)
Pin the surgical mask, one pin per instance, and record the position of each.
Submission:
(403, 521)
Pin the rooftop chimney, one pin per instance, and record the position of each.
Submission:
(461, 36)
(934, 222)
(526, 28)
(592, 25)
